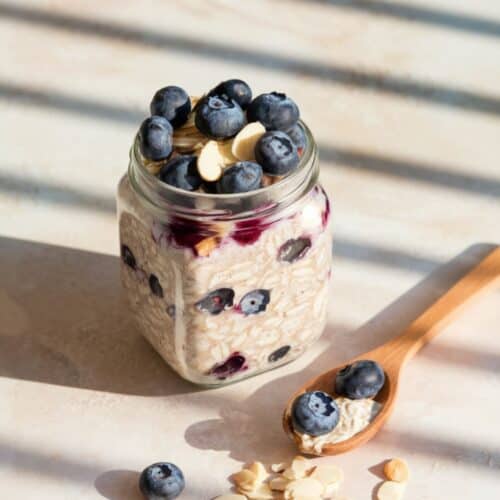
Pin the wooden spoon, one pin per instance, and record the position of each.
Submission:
(393, 355)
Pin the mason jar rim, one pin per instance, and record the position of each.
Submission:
(159, 196)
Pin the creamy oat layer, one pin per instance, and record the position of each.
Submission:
(355, 415)
(214, 348)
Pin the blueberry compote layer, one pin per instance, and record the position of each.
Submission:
(223, 301)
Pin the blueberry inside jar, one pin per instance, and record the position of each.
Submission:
(240, 250)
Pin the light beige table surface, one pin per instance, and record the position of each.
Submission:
(404, 99)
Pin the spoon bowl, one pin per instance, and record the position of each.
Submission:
(393, 355)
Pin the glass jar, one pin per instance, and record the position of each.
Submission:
(226, 286)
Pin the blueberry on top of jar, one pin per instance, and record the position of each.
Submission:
(181, 172)
(173, 103)
(276, 153)
(274, 110)
(361, 379)
(234, 89)
(155, 138)
(219, 117)
(241, 177)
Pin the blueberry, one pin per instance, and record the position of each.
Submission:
(362, 379)
(276, 152)
(298, 137)
(215, 302)
(254, 302)
(161, 481)
(241, 177)
(219, 118)
(234, 364)
(181, 172)
(315, 413)
(275, 111)
(128, 256)
(294, 249)
(154, 284)
(172, 103)
(278, 354)
(234, 89)
(155, 135)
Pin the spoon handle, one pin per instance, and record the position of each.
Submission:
(432, 321)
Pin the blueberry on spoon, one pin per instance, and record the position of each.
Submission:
(219, 117)
(275, 111)
(276, 152)
(155, 138)
(161, 481)
(181, 172)
(362, 379)
(315, 413)
(172, 103)
(234, 89)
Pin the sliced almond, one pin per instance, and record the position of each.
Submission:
(278, 483)
(269, 180)
(390, 490)
(278, 467)
(298, 468)
(261, 492)
(226, 154)
(305, 487)
(246, 139)
(259, 470)
(328, 474)
(210, 164)
(244, 479)
(397, 470)
(231, 496)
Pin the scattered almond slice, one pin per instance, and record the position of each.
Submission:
(244, 143)
(225, 152)
(244, 480)
(390, 490)
(278, 467)
(259, 470)
(397, 470)
(261, 492)
(231, 496)
(210, 163)
(278, 483)
(298, 468)
(305, 487)
(328, 474)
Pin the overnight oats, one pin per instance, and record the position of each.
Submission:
(225, 233)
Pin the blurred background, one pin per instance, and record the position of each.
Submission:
(402, 96)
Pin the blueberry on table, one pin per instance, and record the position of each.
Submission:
(172, 103)
(241, 177)
(181, 172)
(155, 136)
(298, 137)
(315, 413)
(362, 379)
(154, 285)
(215, 302)
(234, 89)
(161, 481)
(276, 153)
(254, 302)
(219, 118)
(275, 111)
(128, 257)
(278, 354)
